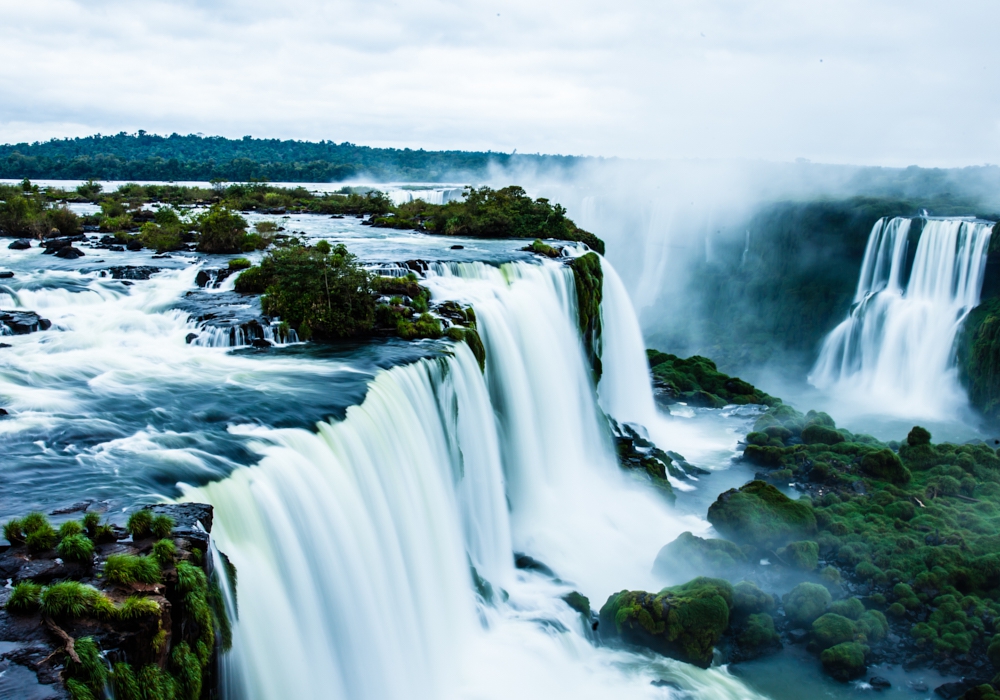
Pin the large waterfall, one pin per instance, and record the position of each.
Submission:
(376, 556)
(895, 352)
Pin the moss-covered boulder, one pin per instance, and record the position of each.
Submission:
(756, 637)
(885, 465)
(816, 434)
(800, 555)
(698, 382)
(846, 661)
(851, 608)
(758, 514)
(831, 629)
(806, 602)
(984, 691)
(707, 556)
(682, 622)
(749, 599)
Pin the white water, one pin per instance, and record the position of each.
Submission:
(360, 537)
(895, 352)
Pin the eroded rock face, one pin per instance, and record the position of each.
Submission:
(23, 322)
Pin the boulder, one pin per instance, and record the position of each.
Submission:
(885, 465)
(817, 434)
(806, 602)
(132, 272)
(800, 555)
(748, 599)
(24, 322)
(846, 661)
(20, 244)
(758, 514)
(831, 629)
(682, 622)
(69, 253)
(698, 555)
(757, 637)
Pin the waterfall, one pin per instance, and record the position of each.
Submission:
(895, 352)
(356, 544)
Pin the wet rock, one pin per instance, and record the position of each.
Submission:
(5, 345)
(132, 272)
(133, 245)
(69, 253)
(190, 338)
(24, 322)
(879, 683)
(523, 561)
(6, 274)
(417, 265)
(260, 343)
(20, 244)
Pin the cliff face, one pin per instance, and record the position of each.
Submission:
(91, 605)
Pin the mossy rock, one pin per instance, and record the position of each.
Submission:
(757, 637)
(806, 602)
(765, 455)
(682, 622)
(802, 555)
(885, 465)
(758, 514)
(851, 608)
(831, 629)
(816, 434)
(873, 625)
(846, 661)
(748, 599)
(712, 556)
(981, 692)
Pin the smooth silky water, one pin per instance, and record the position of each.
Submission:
(362, 488)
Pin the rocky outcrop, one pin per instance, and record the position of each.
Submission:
(23, 322)
(139, 609)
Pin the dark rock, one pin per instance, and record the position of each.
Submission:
(190, 338)
(75, 508)
(953, 691)
(133, 245)
(53, 244)
(6, 274)
(462, 247)
(187, 516)
(798, 636)
(69, 253)
(5, 345)
(417, 265)
(20, 244)
(661, 683)
(879, 683)
(23, 322)
(132, 272)
(523, 561)
(260, 343)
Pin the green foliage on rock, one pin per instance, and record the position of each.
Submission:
(698, 382)
(748, 598)
(25, 597)
(683, 622)
(845, 661)
(222, 230)
(128, 568)
(589, 281)
(758, 636)
(76, 548)
(885, 465)
(708, 556)
(758, 514)
(979, 357)
(806, 602)
(139, 524)
(802, 555)
(831, 629)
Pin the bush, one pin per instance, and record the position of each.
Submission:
(70, 527)
(139, 524)
(806, 602)
(160, 239)
(42, 538)
(90, 522)
(77, 548)
(918, 436)
(239, 264)
(24, 598)
(222, 231)
(127, 568)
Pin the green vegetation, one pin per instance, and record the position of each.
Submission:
(979, 357)
(73, 599)
(683, 622)
(845, 661)
(128, 568)
(162, 525)
(758, 514)
(806, 602)
(139, 524)
(76, 548)
(709, 556)
(696, 381)
(25, 598)
(25, 212)
(542, 248)
(144, 156)
(589, 281)
(487, 213)
(164, 552)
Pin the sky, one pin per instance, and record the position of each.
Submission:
(872, 82)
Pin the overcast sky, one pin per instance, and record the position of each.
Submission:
(890, 82)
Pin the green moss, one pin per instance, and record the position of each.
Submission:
(697, 381)
(748, 599)
(128, 568)
(540, 247)
(831, 629)
(806, 602)
(851, 608)
(76, 548)
(845, 661)
(578, 602)
(873, 625)
(24, 598)
(683, 622)
(72, 599)
(139, 524)
(135, 607)
(712, 556)
(816, 434)
(886, 466)
(760, 515)
(239, 264)
(589, 282)
(800, 555)
(758, 636)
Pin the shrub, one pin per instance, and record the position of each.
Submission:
(222, 230)
(161, 239)
(918, 436)
(127, 568)
(91, 521)
(41, 538)
(13, 532)
(806, 602)
(76, 548)
(816, 434)
(162, 525)
(139, 524)
(25, 598)
(885, 465)
(239, 264)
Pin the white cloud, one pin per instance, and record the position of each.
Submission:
(891, 82)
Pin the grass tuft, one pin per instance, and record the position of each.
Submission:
(127, 568)
(162, 526)
(25, 597)
(77, 548)
(139, 524)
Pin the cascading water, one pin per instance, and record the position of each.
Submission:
(361, 538)
(895, 352)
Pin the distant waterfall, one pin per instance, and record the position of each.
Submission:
(354, 545)
(896, 349)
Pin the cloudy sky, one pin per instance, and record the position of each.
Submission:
(890, 82)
